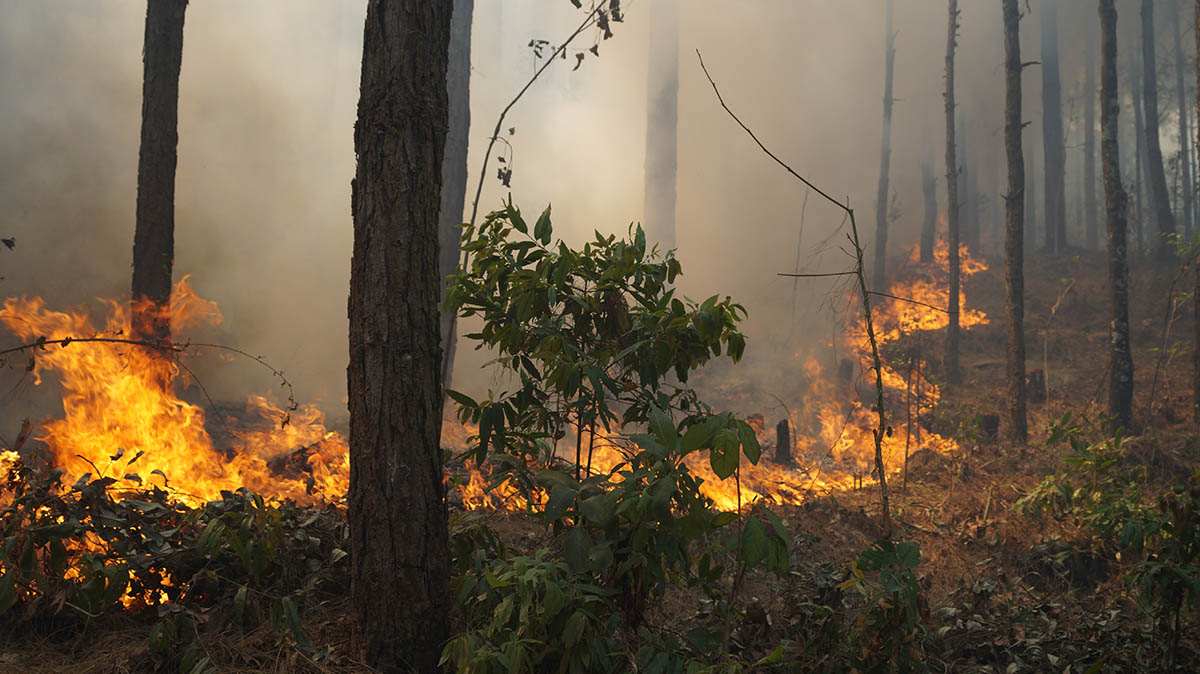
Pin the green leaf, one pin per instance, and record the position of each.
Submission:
(698, 435)
(239, 605)
(556, 506)
(724, 457)
(576, 547)
(749, 442)
(462, 399)
(755, 545)
(597, 509)
(542, 229)
(8, 591)
(663, 429)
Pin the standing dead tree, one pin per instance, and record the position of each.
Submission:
(1089, 142)
(881, 196)
(1120, 386)
(1014, 231)
(860, 273)
(953, 373)
(1053, 143)
(1164, 218)
(1185, 160)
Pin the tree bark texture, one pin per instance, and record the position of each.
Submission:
(1014, 230)
(1053, 145)
(1196, 278)
(885, 155)
(662, 123)
(154, 230)
(399, 549)
(952, 234)
(929, 226)
(1185, 163)
(1164, 218)
(1120, 389)
(454, 166)
(1139, 151)
(1089, 142)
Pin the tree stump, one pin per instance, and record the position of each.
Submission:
(989, 424)
(1035, 386)
(783, 443)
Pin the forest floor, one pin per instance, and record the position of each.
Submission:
(1002, 592)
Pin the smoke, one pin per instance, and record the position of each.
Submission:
(267, 106)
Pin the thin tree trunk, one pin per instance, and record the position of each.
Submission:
(662, 123)
(1014, 232)
(1185, 162)
(952, 368)
(154, 231)
(1163, 217)
(1053, 145)
(968, 213)
(881, 196)
(929, 226)
(1089, 142)
(399, 547)
(1139, 157)
(454, 167)
(1120, 389)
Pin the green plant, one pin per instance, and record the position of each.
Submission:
(890, 632)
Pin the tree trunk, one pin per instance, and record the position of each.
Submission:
(1120, 389)
(1014, 231)
(1164, 219)
(1089, 142)
(662, 117)
(1053, 145)
(968, 210)
(885, 155)
(929, 226)
(1185, 163)
(454, 166)
(1139, 153)
(154, 231)
(1196, 278)
(399, 548)
(952, 369)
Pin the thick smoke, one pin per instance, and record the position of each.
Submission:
(267, 105)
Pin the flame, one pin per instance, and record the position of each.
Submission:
(122, 417)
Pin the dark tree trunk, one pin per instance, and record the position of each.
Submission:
(952, 235)
(1120, 389)
(968, 209)
(1164, 219)
(1014, 231)
(885, 155)
(1185, 162)
(154, 232)
(454, 166)
(1031, 218)
(929, 226)
(1089, 142)
(1053, 146)
(783, 443)
(662, 123)
(399, 548)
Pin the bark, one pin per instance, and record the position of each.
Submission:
(1014, 230)
(1120, 389)
(1053, 144)
(399, 549)
(454, 167)
(1164, 218)
(929, 226)
(154, 231)
(885, 155)
(952, 236)
(968, 209)
(1185, 163)
(1089, 143)
(662, 120)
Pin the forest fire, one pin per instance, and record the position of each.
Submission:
(122, 417)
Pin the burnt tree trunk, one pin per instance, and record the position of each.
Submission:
(1089, 142)
(1196, 278)
(662, 123)
(1185, 162)
(1120, 389)
(399, 548)
(885, 155)
(929, 226)
(952, 234)
(1164, 219)
(454, 167)
(1053, 144)
(1014, 230)
(154, 231)
(783, 443)
(1139, 152)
